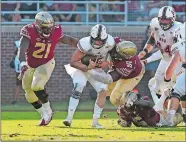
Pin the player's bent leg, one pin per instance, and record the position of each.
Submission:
(73, 103)
(31, 96)
(79, 80)
(122, 87)
(40, 78)
(100, 101)
(152, 87)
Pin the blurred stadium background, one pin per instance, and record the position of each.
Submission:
(126, 19)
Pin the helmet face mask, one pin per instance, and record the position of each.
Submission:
(44, 24)
(165, 23)
(98, 36)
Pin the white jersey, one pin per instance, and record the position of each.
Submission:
(85, 47)
(163, 39)
(180, 47)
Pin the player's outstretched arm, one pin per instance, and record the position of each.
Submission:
(106, 78)
(148, 46)
(154, 57)
(172, 66)
(66, 39)
(24, 44)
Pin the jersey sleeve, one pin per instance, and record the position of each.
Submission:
(25, 32)
(83, 45)
(110, 42)
(61, 32)
(58, 31)
(180, 47)
(154, 24)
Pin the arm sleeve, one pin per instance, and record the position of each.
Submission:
(25, 32)
(155, 56)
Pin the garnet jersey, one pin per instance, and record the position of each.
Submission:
(163, 39)
(40, 50)
(126, 68)
(85, 47)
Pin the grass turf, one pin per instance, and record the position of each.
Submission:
(22, 126)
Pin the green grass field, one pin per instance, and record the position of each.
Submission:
(21, 125)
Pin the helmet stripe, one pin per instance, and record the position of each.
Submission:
(164, 12)
(99, 31)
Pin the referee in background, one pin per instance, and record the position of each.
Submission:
(16, 66)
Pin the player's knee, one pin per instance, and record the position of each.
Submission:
(114, 99)
(42, 95)
(175, 95)
(75, 94)
(37, 86)
(30, 96)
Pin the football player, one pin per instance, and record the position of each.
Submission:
(126, 73)
(98, 44)
(179, 90)
(139, 110)
(36, 54)
(162, 28)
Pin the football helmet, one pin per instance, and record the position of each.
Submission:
(44, 23)
(179, 34)
(98, 36)
(166, 17)
(126, 49)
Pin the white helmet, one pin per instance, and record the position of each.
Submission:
(179, 33)
(98, 36)
(166, 17)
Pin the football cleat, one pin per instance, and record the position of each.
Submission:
(67, 122)
(44, 122)
(98, 126)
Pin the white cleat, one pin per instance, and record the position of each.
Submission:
(49, 111)
(97, 126)
(67, 122)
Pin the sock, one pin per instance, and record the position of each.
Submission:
(154, 96)
(47, 107)
(43, 113)
(97, 113)
(73, 103)
(171, 114)
(184, 110)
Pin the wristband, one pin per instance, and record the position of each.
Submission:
(145, 50)
(23, 63)
(167, 80)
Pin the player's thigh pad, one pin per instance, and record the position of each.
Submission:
(42, 75)
(179, 87)
(110, 88)
(27, 78)
(122, 87)
(79, 80)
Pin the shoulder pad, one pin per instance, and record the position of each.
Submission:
(84, 45)
(154, 23)
(110, 41)
(25, 31)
